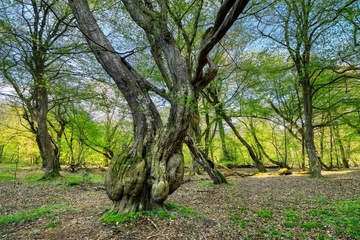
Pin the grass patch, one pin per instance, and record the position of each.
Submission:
(291, 219)
(311, 225)
(264, 213)
(342, 216)
(206, 184)
(7, 177)
(184, 211)
(238, 220)
(31, 174)
(33, 177)
(35, 213)
(11, 167)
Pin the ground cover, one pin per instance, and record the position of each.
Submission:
(257, 207)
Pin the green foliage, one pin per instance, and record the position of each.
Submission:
(33, 214)
(311, 225)
(291, 219)
(264, 213)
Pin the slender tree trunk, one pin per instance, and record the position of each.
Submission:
(2, 146)
(225, 153)
(220, 112)
(314, 161)
(255, 157)
(345, 162)
(195, 132)
(49, 150)
(206, 163)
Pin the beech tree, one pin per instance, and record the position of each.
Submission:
(32, 59)
(152, 168)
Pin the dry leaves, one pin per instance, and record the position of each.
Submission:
(256, 203)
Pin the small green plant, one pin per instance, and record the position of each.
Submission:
(206, 184)
(311, 225)
(290, 216)
(243, 208)
(238, 220)
(289, 224)
(264, 213)
(85, 177)
(291, 219)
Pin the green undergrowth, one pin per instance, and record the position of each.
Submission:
(173, 211)
(332, 219)
(24, 174)
(35, 213)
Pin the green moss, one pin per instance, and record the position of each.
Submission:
(50, 176)
(116, 218)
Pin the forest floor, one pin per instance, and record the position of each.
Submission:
(257, 207)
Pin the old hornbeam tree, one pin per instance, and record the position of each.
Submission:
(153, 168)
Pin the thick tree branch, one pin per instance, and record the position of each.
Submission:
(227, 15)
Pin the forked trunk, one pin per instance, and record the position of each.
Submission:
(143, 177)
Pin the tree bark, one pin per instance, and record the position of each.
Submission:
(49, 150)
(314, 161)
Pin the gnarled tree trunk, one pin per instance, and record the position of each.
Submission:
(144, 176)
